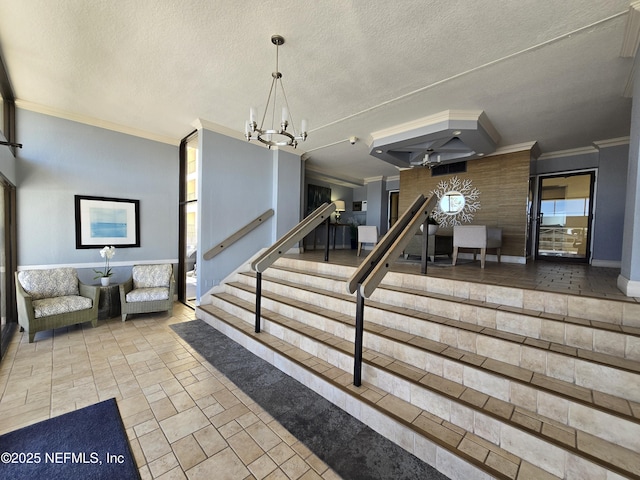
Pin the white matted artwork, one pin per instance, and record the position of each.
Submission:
(104, 221)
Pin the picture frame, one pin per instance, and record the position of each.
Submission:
(316, 196)
(102, 221)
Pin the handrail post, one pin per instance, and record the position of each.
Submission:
(372, 270)
(258, 299)
(326, 245)
(425, 247)
(357, 364)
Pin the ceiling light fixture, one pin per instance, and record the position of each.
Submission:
(431, 160)
(275, 137)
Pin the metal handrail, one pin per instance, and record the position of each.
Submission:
(293, 236)
(288, 240)
(237, 235)
(371, 272)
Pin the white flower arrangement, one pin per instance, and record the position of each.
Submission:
(107, 253)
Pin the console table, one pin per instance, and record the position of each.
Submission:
(333, 230)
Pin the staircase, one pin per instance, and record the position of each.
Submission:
(479, 381)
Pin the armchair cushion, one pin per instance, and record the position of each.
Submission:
(46, 307)
(49, 283)
(148, 294)
(150, 276)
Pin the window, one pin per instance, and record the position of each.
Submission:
(449, 168)
(187, 281)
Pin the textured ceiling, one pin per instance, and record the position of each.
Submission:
(541, 70)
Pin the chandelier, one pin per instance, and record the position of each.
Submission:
(275, 137)
(431, 159)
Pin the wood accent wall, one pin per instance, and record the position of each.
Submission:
(503, 182)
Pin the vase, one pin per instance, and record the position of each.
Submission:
(105, 281)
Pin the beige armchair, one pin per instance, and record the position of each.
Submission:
(476, 237)
(367, 234)
(150, 289)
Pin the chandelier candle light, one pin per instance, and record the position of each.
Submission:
(275, 137)
(107, 253)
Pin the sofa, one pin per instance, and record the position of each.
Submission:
(149, 289)
(54, 298)
(438, 245)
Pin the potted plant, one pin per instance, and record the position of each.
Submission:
(104, 275)
(432, 225)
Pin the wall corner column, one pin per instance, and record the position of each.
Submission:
(629, 278)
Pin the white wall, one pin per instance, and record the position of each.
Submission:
(61, 159)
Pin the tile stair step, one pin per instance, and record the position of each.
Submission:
(432, 434)
(553, 304)
(527, 383)
(496, 461)
(397, 293)
(564, 363)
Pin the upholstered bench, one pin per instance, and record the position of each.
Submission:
(53, 298)
(150, 289)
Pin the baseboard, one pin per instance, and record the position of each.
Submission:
(606, 263)
(631, 288)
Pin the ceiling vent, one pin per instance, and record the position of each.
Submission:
(448, 136)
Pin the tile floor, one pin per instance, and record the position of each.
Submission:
(184, 419)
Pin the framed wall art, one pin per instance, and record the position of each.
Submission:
(104, 221)
(316, 196)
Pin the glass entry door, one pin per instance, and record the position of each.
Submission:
(564, 216)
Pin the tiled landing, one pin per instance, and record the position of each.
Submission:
(184, 419)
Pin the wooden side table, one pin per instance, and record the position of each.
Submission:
(109, 303)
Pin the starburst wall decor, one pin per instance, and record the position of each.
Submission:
(458, 200)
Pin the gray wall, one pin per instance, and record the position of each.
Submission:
(238, 181)
(62, 158)
(610, 203)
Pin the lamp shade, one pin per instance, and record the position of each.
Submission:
(340, 206)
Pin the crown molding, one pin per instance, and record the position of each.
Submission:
(393, 178)
(631, 38)
(95, 122)
(202, 124)
(518, 147)
(569, 153)
(378, 178)
(612, 142)
(314, 173)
